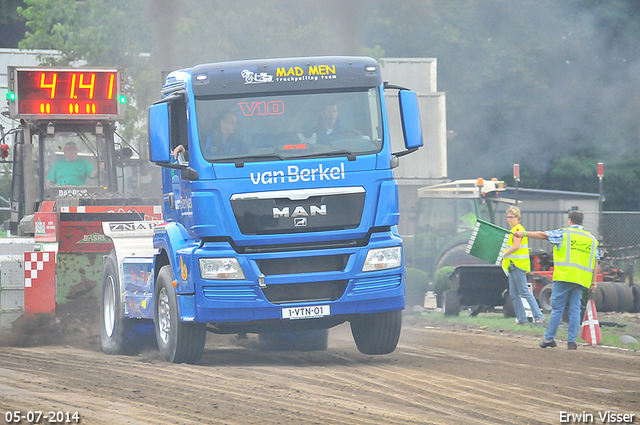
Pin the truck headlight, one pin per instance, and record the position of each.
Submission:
(220, 268)
(383, 258)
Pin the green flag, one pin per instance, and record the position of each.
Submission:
(488, 242)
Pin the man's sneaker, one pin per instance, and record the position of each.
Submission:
(539, 322)
(572, 346)
(545, 344)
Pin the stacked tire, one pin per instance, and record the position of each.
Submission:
(617, 296)
(635, 289)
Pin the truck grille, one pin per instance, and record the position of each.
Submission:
(305, 292)
(278, 215)
(315, 264)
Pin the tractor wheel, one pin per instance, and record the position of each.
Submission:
(116, 331)
(450, 303)
(507, 306)
(544, 299)
(178, 342)
(313, 340)
(456, 256)
(377, 333)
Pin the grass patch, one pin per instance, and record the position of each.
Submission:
(630, 325)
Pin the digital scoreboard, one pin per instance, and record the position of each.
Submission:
(65, 93)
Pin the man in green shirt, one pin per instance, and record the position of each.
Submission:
(70, 171)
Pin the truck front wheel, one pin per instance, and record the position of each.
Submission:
(178, 342)
(377, 333)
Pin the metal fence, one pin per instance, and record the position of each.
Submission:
(621, 238)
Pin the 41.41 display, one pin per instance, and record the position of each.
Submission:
(47, 93)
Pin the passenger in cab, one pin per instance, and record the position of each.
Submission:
(328, 123)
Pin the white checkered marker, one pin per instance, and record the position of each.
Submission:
(33, 265)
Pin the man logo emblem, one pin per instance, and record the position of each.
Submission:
(300, 221)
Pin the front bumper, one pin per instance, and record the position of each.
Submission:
(345, 288)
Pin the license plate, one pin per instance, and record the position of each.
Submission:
(308, 312)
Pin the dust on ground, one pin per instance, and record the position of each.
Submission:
(75, 323)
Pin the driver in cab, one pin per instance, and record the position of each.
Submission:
(71, 171)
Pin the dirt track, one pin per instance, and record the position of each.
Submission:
(437, 375)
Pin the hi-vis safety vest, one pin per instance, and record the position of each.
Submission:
(519, 258)
(574, 260)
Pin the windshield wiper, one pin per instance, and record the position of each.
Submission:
(240, 160)
(350, 155)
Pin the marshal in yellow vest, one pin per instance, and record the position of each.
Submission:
(519, 258)
(574, 260)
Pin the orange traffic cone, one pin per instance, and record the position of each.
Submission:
(590, 325)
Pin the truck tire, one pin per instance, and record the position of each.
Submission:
(377, 333)
(116, 331)
(544, 299)
(450, 303)
(178, 342)
(507, 306)
(313, 340)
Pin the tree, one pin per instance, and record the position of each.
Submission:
(621, 188)
(12, 24)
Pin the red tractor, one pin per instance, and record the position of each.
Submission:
(71, 172)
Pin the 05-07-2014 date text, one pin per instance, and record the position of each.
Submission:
(37, 417)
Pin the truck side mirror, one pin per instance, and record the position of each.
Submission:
(410, 115)
(189, 173)
(159, 133)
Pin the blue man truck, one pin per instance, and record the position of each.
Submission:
(279, 211)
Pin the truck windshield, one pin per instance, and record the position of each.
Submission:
(290, 125)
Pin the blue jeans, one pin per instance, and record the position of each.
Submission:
(519, 289)
(563, 291)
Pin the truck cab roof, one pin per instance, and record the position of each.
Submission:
(274, 75)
